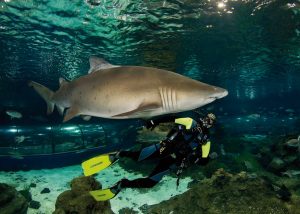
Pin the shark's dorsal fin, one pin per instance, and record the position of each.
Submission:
(62, 81)
(99, 64)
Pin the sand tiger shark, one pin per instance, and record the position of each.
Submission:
(123, 92)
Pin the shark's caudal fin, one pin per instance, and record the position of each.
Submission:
(45, 93)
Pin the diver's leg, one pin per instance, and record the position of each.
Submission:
(160, 170)
(143, 154)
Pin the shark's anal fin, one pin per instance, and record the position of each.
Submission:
(70, 113)
(144, 107)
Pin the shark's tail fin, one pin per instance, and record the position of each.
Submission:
(45, 93)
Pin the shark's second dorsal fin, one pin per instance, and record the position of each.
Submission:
(98, 64)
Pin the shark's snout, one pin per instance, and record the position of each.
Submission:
(220, 93)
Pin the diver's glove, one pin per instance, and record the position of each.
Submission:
(150, 124)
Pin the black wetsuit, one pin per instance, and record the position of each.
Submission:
(182, 148)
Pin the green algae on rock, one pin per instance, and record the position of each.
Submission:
(78, 199)
(11, 201)
(226, 193)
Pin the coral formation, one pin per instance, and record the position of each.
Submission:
(228, 193)
(11, 201)
(78, 200)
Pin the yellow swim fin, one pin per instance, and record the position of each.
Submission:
(205, 149)
(97, 164)
(103, 194)
(186, 121)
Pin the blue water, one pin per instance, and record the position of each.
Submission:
(251, 48)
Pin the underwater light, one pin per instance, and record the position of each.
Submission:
(13, 130)
(221, 5)
(70, 128)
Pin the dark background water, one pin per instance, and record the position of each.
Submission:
(251, 48)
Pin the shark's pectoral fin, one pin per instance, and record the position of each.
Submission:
(70, 113)
(144, 107)
(98, 64)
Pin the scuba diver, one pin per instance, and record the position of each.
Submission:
(185, 145)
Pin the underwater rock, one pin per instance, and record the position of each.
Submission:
(45, 190)
(32, 185)
(153, 136)
(282, 155)
(290, 159)
(84, 184)
(235, 194)
(276, 164)
(127, 211)
(11, 201)
(78, 200)
(26, 193)
(282, 192)
(34, 204)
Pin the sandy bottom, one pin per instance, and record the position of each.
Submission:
(58, 180)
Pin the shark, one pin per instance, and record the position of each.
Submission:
(126, 92)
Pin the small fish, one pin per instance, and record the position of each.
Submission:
(291, 173)
(20, 139)
(248, 165)
(213, 155)
(253, 116)
(298, 143)
(222, 150)
(14, 114)
(16, 155)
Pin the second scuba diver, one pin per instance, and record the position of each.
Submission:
(186, 144)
